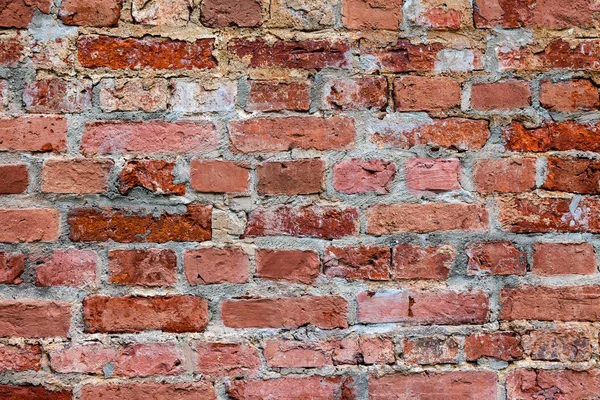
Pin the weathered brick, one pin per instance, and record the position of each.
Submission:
(290, 177)
(156, 391)
(402, 56)
(504, 175)
(226, 359)
(363, 176)
(311, 387)
(563, 345)
(33, 133)
(68, 267)
(308, 54)
(559, 136)
(303, 15)
(162, 12)
(8, 392)
(575, 176)
(496, 258)
(78, 175)
(544, 384)
(430, 350)
(506, 95)
(29, 225)
(12, 266)
(278, 96)
(438, 14)
(191, 97)
(283, 134)
(98, 13)
(20, 357)
(424, 174)
(11, 51)
(324, 222)
(362, 93)
(504, 346)
(14, 179)
(34, 318)
(372, 14)
(360, 262)
(153, 267)
(417, 93)
(213, 265)
(220, 13)
(564, 259)
(154, 175)
(102, 224)
(147, 53)
(147, 95)
(57, 95)
(215, 176)
(571, 54)
(569, 303)
(155, 137)
(454, 385)
(298, 266)
(415, 262)
(321, 311)
(18, 13)
(568, 96)
(385, 219)
(176, 314)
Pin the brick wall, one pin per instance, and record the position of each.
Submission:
(299, 199)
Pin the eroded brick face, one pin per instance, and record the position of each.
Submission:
(299, 199)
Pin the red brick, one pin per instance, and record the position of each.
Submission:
(91, 12)
(162, 12)
(361, 93)
(220, 13)
(176, 314)
(570, 303)
(154, 175)
(430, 350)
(29, 225)
(214, 176)
(324, 222)
(308, 54)
(433, 174)
(320, 311)
(135, 360)
(415, 262)
(12, 266)
(504, 175)
(529, 215)
(454, 385)
(575, 176)
(452, 133)
(147, 53)
(40, 133)
(418, 93)
(524, 13)
(8, 392)
(283, 134)
(155, 391)
(573, 54)
(359, 262)
(102, 224)
(440, 15)
(372, 14)
(568, 96)
(147, 95)
(496, 258)
(423, 308)
(14, 179)
(57, 96)
(278, 96)
(505, 95)
(77, 175)
(564, 259)
(385, 219)
(290, 177)
(34, 318)
(68, 267)
(548, 384)
(213, 265)
(152, 267)
(297, 266)
(564, 345)
(19, 13)
(25, 357)
(376, 350)
(312, 387)
(403, 56)
(559, 136)
(155, 137)
(11, 51)
(226, 359)
(363, 176)
(504, 346)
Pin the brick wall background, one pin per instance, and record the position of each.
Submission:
(299, 199)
